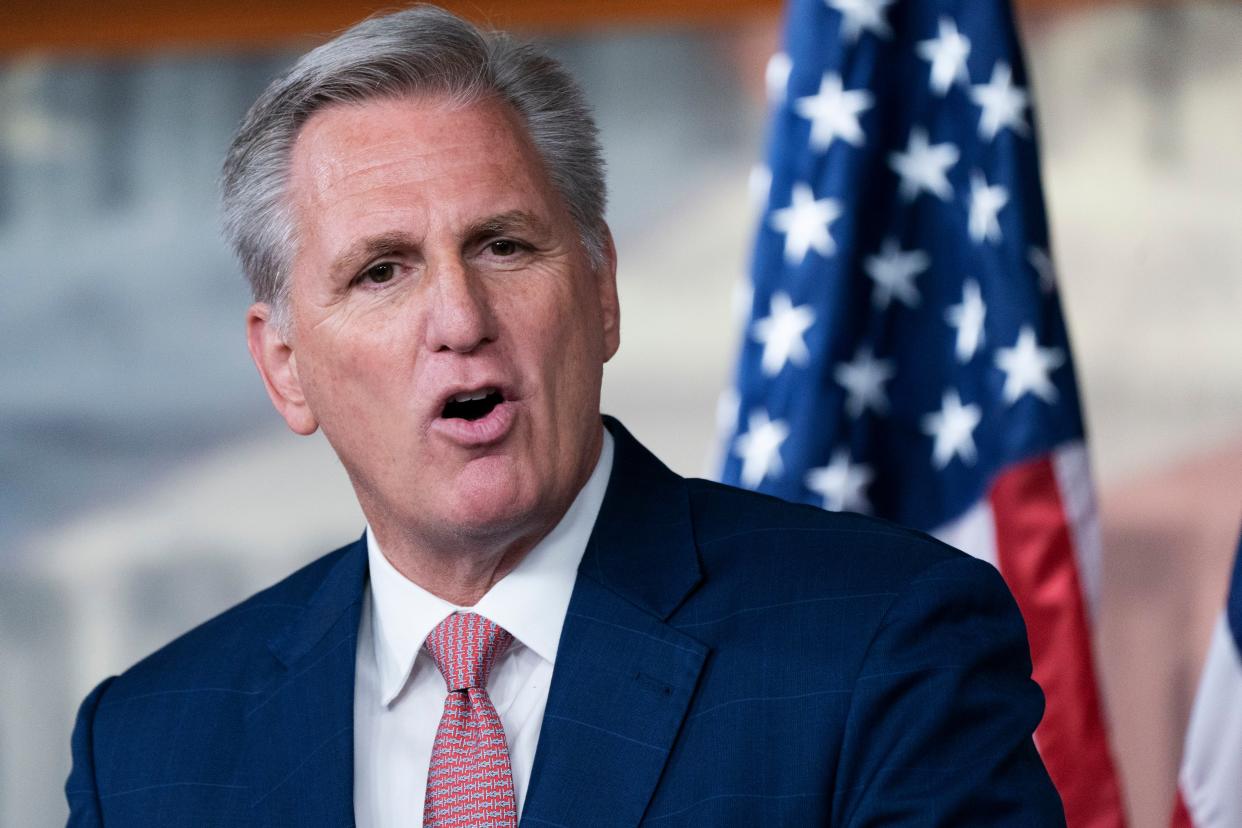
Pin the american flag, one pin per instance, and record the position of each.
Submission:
(905, 353)
(1209, 790)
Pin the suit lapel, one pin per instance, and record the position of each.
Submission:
(624, 678)
(300, 729)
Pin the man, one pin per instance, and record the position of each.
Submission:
(541, 622)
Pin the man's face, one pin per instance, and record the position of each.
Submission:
(448, 331)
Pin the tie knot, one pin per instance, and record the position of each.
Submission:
(464, 647)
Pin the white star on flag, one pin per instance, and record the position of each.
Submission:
(760, 448)
(1027, 366)
(776, 77)
(924, 166)
(947, 52)
(781, 333)
(985, 203)
(893, 271)
(841, 483)
(805, 224)
(863, 379)
(953, 428)
(833, 112)
(968, 318)
(1042, 262)
(858, 15)
(1003, 103)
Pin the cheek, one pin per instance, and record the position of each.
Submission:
(566, 350)
(354, 377)
(575, 374)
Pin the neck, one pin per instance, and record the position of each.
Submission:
(460, 574)
(460, 568)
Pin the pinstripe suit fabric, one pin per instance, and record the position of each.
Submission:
(728, 659)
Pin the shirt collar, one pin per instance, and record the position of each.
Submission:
(530, 602)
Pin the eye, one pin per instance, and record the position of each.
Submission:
(503, 247)
(379, 274)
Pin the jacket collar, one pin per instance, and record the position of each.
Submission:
(340, 591)
(624, 677)
(642, 547)
(300, 743)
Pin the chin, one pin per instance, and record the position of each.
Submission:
(490, 497)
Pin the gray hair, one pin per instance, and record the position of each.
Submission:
(421, 50)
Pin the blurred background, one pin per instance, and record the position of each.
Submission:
(145, 484)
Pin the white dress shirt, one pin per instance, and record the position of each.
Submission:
(398, 692)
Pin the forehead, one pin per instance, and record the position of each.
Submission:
(360, 161)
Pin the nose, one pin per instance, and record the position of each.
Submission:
(460, 317)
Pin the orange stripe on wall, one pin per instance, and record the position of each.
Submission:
(132, 25)
(120, 26)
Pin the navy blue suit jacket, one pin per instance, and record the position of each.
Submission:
(727, 659)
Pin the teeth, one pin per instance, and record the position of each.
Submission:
(470, 396)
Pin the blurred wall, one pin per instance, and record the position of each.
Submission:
(146, 485)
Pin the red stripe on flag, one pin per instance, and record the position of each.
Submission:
(1035, 554)
(1181, 816)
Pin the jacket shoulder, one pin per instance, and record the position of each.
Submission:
(738, 525)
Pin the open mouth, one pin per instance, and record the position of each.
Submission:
(472, 405)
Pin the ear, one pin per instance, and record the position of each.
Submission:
(609, 304)
(278, 365)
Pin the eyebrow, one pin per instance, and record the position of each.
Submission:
(507, 222)
(369, 248)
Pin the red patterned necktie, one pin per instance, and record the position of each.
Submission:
(470, 782)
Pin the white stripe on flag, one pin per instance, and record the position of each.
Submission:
(974, 532)
(1072, 468)
(1211, 776)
